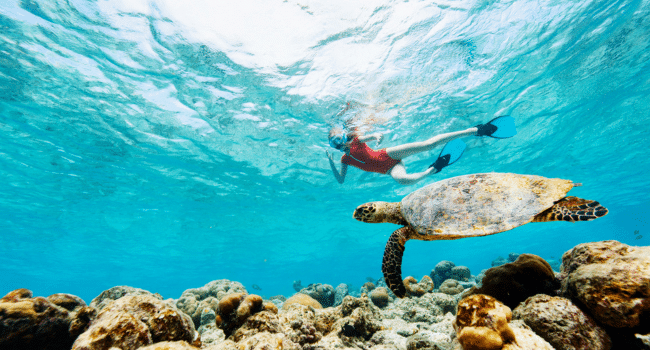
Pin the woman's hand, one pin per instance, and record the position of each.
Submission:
(379, 137)
(328, 155)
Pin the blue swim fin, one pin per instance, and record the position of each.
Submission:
(452, 151)
(501, 127)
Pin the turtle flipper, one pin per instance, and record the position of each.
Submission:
(572, 209)
(392, 264)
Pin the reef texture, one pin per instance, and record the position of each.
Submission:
(451, 287)
(446, 269)
(611, 280)
(302, 299)
(561, 323)
(417, 289)
(323, 293)
(42, 323)
(135, 321)
(117, 292)
(482, 323)
(195, 301)
(512, 283)
(379, 296)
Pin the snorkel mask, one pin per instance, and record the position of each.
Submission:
(338, 141)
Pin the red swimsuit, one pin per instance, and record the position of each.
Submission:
(365, 158)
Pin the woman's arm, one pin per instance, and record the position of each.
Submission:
(340, 177)
(365, 138)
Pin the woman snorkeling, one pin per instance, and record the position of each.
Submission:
(389, 160)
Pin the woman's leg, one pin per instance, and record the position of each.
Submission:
(409, 149)
(398, 173)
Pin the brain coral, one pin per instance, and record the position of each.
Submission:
(482, 323)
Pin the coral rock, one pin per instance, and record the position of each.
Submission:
(341, 291)
(302, 299)
(450, 287)
(611, 280)
(561, 323)
(379, 297)
(170, 345)
(234, 309)
(40, 323)
(460, 273)
(413, 288)
(260, 322)
(134, 321)
(107, 296)
(194, 301)
(482, 323)
(513, 282)
(323, 293)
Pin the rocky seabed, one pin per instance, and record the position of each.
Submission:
(600, 299)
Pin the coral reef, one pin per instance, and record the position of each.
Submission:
(611, 280)
(417, 289)
(297, 285)
(134, 321)
(341, 291)
(513, 282)
(194, 301)
(367, 287)
(561, 323)
(482, 323)
(302, 299)
(451, 287)
(379, 297)
(323, 293)
(114, 293)
(50, 323)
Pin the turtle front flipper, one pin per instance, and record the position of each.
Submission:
(572, 209)
(392, 264)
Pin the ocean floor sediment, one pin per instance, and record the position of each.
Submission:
(600, 299)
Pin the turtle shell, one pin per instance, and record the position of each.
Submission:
(480, 204)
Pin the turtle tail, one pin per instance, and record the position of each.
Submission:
(392, 264)
(572, 209)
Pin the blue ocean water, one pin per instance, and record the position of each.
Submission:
(164, 145)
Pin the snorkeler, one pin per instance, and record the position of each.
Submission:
(389, 160)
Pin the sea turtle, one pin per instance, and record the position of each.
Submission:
(470, 206)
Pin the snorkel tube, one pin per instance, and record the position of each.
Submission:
(338, 141)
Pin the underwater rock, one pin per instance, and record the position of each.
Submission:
(170, 345)
(513, 282)
(498, 261)
(611, 280)
(561, 323)
(340, 292)
(441, 272)
(267, 341)
(114, 293)
(460, 273)
(379, 297)
(388, 338)
(451, 287)
(297, 285)
(428, 340)
(482, 323)
(193, 301)
(302, 299)
(367, 288)
(134, 321)
(265, 321)
(323, 293)
(361, 319)
(417, 289)
(235, 309)
(50, 323)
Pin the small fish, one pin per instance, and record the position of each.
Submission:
(636, 232)
(639, 237)
(256, 287)
(370, 279)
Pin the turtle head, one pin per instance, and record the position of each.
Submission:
(376, 212)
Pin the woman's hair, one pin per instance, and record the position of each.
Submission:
(337, 137)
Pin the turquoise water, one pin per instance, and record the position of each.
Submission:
(163, 146)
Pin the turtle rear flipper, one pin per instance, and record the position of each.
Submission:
(391, 266)
(572, 209)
